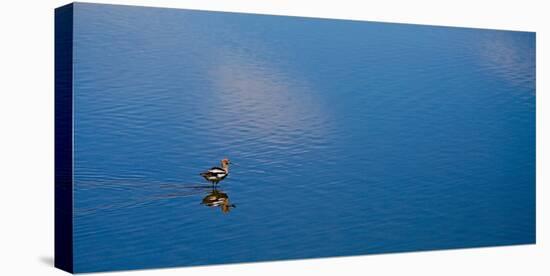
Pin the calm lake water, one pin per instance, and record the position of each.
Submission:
(348, 137)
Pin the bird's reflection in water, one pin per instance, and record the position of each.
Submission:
(217, 198)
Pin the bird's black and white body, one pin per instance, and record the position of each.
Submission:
(217, 174)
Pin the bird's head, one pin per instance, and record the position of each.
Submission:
(225, 162)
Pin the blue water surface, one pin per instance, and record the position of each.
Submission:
(347, 137)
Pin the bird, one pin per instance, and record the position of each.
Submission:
(217, 174)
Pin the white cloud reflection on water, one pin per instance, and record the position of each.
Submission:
(257, 99)
(509, 57)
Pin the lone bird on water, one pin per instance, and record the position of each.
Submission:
(217, 174)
